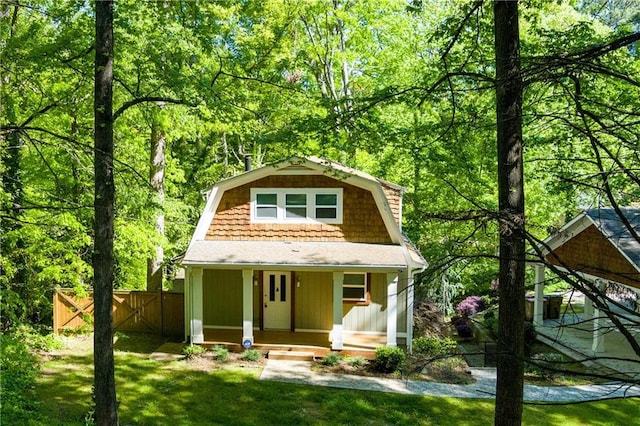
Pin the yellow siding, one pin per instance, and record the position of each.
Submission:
(372, 317)
(402, 303)
(314, 300)
(222, 297)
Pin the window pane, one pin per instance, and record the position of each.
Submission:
(326, 199)
(353, 293)
(283, 288)
(354, 279)
(296, 212)
(270, 212)
(272, 288)
(267, 199)
(296, 199)
(326, 213)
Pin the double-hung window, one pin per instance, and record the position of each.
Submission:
(326, 206)
(296, 205)
(354, 287)
(266, 206)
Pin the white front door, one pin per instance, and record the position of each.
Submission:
(277, 300)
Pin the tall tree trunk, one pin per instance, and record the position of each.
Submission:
(104, 377)
(156, 180)
(509, 86)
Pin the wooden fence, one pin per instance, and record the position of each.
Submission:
(139, 311)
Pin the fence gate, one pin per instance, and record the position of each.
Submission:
(139, 311)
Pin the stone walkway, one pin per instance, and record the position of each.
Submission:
(484, 387)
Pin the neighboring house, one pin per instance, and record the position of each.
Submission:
(600, 247)
(303, 245)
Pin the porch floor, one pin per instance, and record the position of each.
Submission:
(353, 344)
(571, 336)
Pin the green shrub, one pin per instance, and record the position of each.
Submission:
(491, 325)
(356, 361)
(543, 363)
(388, 359)
(18, 370)
(220, 353)
(331, 359)
(253, 355)
(193, 351)
(38, 339)
(434, 347)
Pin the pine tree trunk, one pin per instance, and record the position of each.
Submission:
(104, 377)
(509, 86)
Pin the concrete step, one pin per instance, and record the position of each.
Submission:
(291, 355)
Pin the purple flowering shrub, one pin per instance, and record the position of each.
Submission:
(470, 306)
(462, 327)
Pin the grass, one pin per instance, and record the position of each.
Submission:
(181, 393)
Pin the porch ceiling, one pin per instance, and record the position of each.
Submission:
(300, 255)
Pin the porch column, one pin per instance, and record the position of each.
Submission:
(197, 334)
(187, 304)
(538, 301)
(597, 345)
(336, 332)
(392, 309)
(247, 305)
(409, 310)
(588, 309)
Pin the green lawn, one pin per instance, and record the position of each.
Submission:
(181, 393)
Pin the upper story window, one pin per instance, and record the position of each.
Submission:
(296, 205)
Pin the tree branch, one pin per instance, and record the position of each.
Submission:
(145, 99)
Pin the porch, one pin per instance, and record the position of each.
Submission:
(317, 342)
(572, 335)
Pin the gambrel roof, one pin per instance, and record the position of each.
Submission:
(267, 245)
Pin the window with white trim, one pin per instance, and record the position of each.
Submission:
(354, 287)
(266, 206)
(296, 205)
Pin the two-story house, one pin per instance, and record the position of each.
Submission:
(303, 246)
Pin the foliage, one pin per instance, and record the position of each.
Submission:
(18, 371)
(331, 359)
(388, 359)
(220, 353)
(471, 306)
(434, 347)
(462, 327)
(193, 351)
(253, 355)
(544, 363)
(39, 339)
(355, 361)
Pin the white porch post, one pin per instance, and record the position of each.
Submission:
(392, 309)
(197, 334)
(187, 304)
(247, 305)
(588, 309)
(336, 332)
(538, 301)
(409, 309)
(597, 345)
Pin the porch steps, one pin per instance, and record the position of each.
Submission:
(291, 355)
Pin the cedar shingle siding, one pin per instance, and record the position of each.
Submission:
(393, 197)
(590, 252)
(362, 222)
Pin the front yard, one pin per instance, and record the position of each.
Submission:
(187, 393)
